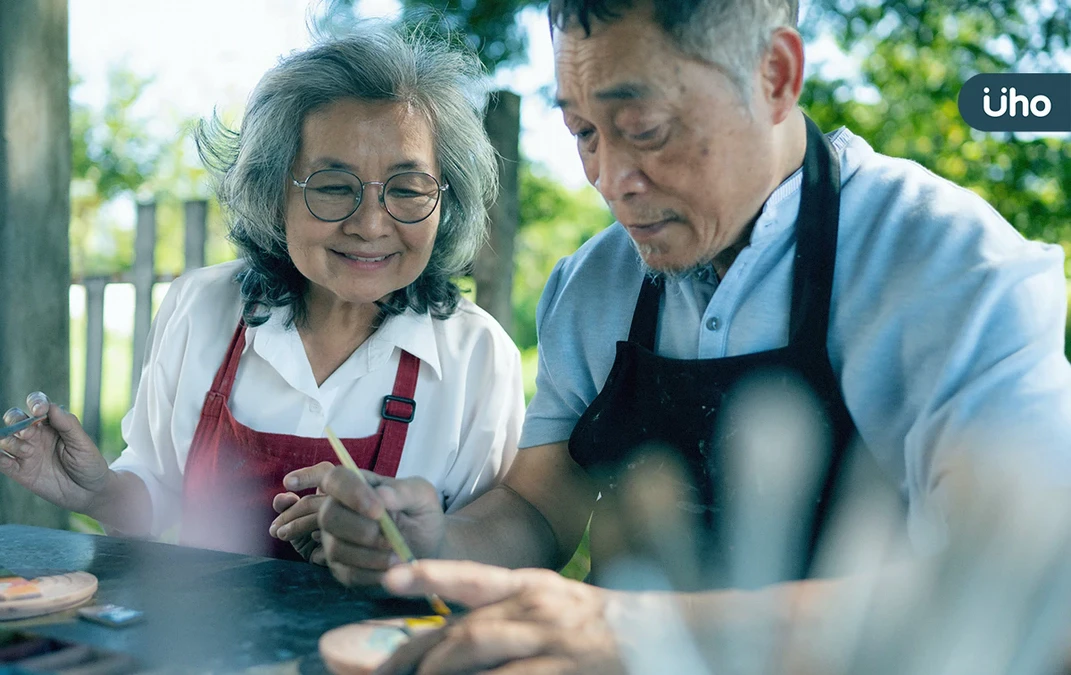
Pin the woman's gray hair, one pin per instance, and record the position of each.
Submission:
(730, 34)
(374, 61)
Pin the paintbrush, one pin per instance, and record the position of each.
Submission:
(390, 530)
(19, 426)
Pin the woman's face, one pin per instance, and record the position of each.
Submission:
(368, 255)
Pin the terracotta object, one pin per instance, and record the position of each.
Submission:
(359, 648)
(58, 592)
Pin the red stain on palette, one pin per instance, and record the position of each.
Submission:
(359, 648)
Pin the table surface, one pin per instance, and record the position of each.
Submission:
(205, 611)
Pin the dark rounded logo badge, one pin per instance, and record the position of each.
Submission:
(1017, 102)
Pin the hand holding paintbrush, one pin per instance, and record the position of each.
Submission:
(386, 524)
(45, 449)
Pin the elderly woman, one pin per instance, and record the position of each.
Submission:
(356, 191)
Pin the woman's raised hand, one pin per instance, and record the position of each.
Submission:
(54, 459)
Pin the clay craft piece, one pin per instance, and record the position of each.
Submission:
(53, 594)
(359, 648)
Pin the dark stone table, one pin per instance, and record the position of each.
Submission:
(205, 611)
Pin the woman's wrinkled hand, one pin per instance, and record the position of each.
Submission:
(55, 459)
(297, 521)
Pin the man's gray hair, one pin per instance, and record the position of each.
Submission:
(730, 34)
(374, 61)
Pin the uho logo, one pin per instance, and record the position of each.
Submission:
(1017, 102)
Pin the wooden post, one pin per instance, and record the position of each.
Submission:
(95, 287)
(196, 232)
(144, 275)
(494, 266)
(35, 176)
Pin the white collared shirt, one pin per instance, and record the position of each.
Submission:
(470, 397)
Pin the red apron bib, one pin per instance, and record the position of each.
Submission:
(233, 472)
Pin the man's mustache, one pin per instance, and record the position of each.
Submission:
(645, 218)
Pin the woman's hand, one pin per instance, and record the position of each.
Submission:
(54, 459)
(297, 521)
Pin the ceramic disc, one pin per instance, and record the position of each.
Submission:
(57, 593)
(359, 648)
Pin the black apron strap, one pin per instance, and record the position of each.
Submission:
(645, 317)
(816, 240)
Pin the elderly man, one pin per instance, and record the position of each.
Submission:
(915, 318)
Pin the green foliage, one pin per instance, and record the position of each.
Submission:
(914, 59)
(111, 154)
(1008, 31)
(117, 160)
(488, 27)
(111, 147)
(579, 566)
(554, 222)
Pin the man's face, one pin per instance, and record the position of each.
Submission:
(665, 138)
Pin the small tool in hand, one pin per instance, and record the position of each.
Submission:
(19, 426)
(390, 530)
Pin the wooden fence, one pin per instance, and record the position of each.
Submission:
(143, 277)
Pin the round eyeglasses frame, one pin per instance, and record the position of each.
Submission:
(441, 187)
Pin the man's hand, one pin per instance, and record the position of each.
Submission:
(533, 620)
(297, 521)
(355, 548)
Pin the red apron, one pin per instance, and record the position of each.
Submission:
(233, 472)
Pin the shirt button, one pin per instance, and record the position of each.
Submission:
(712, 323)
(314, 407)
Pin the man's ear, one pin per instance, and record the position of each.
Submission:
(781, 73)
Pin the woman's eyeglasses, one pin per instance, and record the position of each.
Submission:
(333, 195)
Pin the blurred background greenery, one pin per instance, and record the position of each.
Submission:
(893, 77)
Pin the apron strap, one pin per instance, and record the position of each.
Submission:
(816, 241)
(222, 384)
(398, 411)
(645, 318)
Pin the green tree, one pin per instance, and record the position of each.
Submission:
(112, 154)
(489, 27)
(913, 60)
(555, 222)
(116, 159)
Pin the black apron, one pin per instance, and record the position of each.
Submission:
(652, 401)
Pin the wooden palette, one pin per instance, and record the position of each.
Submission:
(58, 592)
(359, 648)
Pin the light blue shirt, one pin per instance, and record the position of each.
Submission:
(946, 326)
